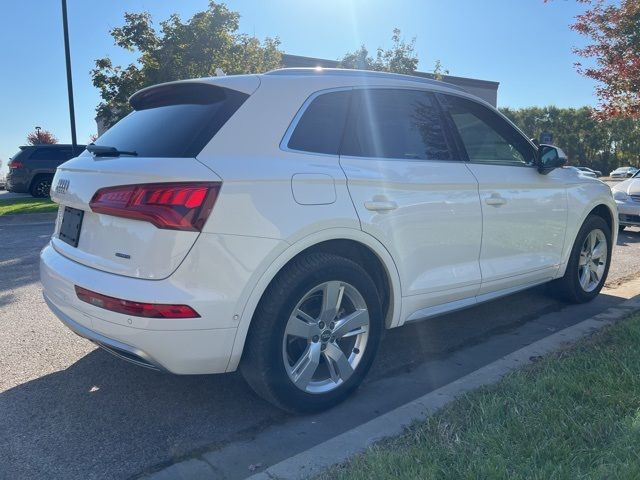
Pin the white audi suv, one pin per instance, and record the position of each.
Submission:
(278, 223)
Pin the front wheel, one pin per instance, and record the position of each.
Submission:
(314, 335)
(588, 264)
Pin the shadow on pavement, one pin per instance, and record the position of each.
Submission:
(19, 255)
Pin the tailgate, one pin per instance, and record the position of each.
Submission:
(119, 245)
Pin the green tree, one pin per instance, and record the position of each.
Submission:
(179, 49)
(586, 139)
(400, 58)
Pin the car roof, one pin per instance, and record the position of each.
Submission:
(50, 145)
(360, 75)
(320, 78)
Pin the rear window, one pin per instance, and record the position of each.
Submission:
(173, 120)
(321, 126)
(53, 154)
(20, 154)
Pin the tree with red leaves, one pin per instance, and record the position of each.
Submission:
(614, 30)
(41, 137)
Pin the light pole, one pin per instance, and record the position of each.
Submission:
(67, 54)
(38, 133)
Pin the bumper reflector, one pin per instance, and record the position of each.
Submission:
(135, 309)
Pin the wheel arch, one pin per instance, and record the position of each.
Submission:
(606, 214)
(604, 210)
(350, 243)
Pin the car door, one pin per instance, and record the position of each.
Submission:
(524, 212)
(414, 194)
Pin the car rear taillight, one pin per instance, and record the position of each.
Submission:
(175, 206)
(15, 164)
(136, 309)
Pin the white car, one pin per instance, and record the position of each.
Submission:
(579, 171)
(278, 223)
(627, 197)
(623, 172)
(587, 170)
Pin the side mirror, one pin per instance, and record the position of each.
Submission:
(549, 158)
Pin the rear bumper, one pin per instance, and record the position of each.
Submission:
(182, 346)
(119, 349)
(17, 183)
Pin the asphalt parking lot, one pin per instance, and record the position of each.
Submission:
(5, 195)
(69, 410)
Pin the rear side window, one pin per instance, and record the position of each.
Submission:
(53, 154)
(173, 120)
(321, 126)
(396, 123)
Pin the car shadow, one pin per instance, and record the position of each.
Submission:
(629, 235)
(104, 418)
(20, 254)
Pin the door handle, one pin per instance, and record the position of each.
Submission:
(495, 200)
(380, 205)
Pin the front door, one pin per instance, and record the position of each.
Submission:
(414, 194)
(524, 213)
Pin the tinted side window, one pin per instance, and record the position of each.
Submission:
(53, 154)
(396, 123)
(486, 136)
(321, 126)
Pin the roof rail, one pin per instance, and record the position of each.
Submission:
(345, 72)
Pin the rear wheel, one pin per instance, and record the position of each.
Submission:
(41, 186)
(588, 264)
(314, 335)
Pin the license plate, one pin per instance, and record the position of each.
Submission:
(71, 225)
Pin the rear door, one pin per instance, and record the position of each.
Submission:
(413, 193)
(169, 126)
(524, 213)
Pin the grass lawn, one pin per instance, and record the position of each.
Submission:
(26, 205)
(575, 414)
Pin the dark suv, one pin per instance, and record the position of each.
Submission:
(32, 168)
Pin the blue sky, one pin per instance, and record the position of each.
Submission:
(526, 45)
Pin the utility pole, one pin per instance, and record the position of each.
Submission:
(67, 54)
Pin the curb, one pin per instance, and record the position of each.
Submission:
(337, 450)
(27, 219)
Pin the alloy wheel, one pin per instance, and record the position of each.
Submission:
(593, 260)
(43, 188)
(325, 337)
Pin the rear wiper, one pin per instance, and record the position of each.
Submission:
(104, 151)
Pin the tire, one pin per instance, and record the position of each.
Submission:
(41, 186)
(570, 287)
(277, 354)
